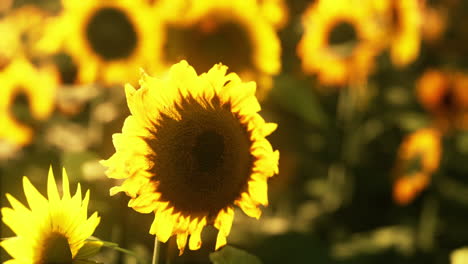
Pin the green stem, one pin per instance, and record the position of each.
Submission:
(155, 251)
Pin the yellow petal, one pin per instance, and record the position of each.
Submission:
(248, 206)
(223, 223)
(195, 237)
(65, 186)
(35, 200)
(258, 190)
(114, 190)
(220, 240)
(163, 225)
(182, 242)
(52, 191)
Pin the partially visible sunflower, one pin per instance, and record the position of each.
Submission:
(234, 33)
(107, 39)
(53, 230)
(39, 85)
(418, 158)
(193, 148)
(340, 41)
(402, 23)
(435, 22)
(20, 29)
(445, 95)
(9, 44)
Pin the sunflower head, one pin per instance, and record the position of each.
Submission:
(193, 148)
(106, 38)
(234, 33)
(340, 41)
(20, 30)
(38, 85)
(418, 158)
(53, 230)
(445, 96)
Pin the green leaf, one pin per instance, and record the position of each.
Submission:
(297, 97)
(232, 255)
(115, 246)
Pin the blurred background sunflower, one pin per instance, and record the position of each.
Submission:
(374, 171)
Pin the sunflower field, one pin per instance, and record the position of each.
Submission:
(240, 131)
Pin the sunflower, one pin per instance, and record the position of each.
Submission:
(402, 20)
(10, 43)
(435, 23)
(20, 30)
(445, 95)
(107, 39)
(39, 85)
(339, 42)
(193, 148)
(418, 158)
(234, 33)
(50, 231)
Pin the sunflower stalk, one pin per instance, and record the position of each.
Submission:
(155, 251)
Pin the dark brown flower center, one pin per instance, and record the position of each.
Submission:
(342, 38)
(56, 250)
(447, 101)
(208, 151)
(212, 40)
(202, 161)
(111, 34)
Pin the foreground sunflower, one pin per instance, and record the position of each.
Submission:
(39, 86)
(193, 148)
(340, 41)
(235, 33)
(53, 230)
(418, 158)
(106, 38)
(444, 94)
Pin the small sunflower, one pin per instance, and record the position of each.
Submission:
(107, 39)
(435, 23)
(418, 158)
(53, 230)
(193, 148)
(10, 43)
(445, 96)
(403, 23)
(39, 85)
(234, 33)
(20, 31)
(340, 41)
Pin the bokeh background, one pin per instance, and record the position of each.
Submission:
(373, 166)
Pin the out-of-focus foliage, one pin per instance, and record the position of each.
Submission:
(348, 190)
(231, 255)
